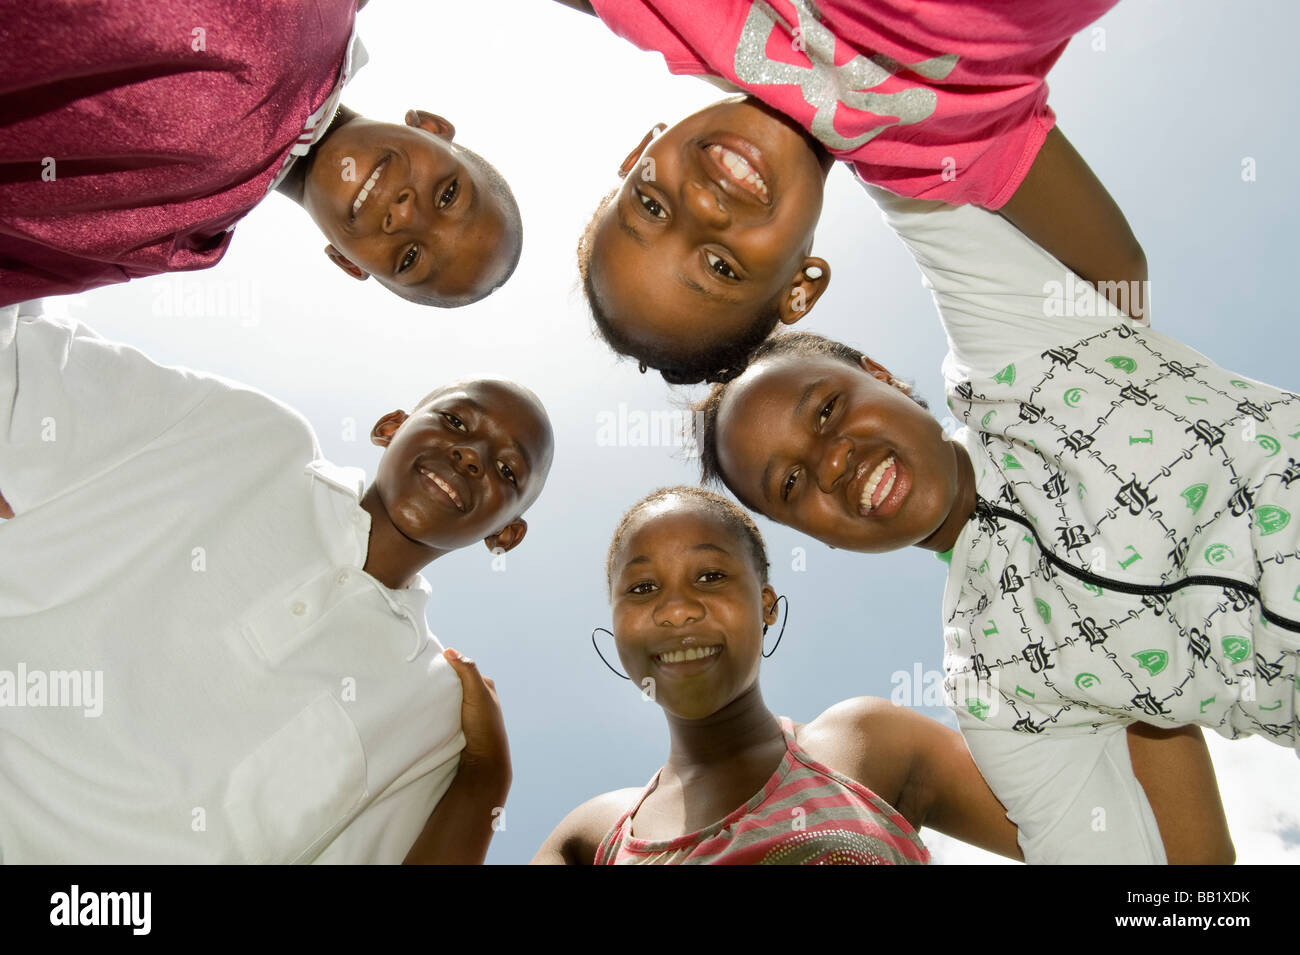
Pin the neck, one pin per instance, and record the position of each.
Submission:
(392, 558)
(294, 184)
(734, 732)
(963, 504)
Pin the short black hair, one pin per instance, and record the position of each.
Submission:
(498, 189)
(720, 363)
(732, 515)
(800, 344)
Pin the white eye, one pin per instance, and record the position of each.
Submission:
(652, 206)
(719, 265)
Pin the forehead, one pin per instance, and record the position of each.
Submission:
(507, 405)
(673, 526)
(772, 390)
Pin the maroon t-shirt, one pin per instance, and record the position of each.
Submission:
(135, 133)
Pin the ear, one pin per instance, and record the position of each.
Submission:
(431, 123)
(509, 537)
(634, 156)
(770, 614)
(810, 282)
(343, 262)
(386, 427)
(881, 373)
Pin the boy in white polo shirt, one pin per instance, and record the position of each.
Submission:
(254, 616)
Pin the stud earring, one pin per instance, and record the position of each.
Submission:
(812, 273)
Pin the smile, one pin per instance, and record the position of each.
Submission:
(369, 186)
(688, 654)
(878, 485)
(739, 170)
(445, 488)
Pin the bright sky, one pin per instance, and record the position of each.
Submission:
(1166, 104)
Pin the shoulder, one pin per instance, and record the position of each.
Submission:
(866, 738)
(575, 840)
(859, 714)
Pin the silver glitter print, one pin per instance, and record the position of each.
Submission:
(826, 86)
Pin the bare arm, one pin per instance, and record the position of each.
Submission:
(916, 764)
(460, 828)
(945, 791)
(576, 839)
(1064, 208)
(461, 825)
(1175, 771)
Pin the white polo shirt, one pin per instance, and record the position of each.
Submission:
(179, 545)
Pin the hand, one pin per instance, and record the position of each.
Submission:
(486, 755)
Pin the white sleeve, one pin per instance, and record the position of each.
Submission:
(999, 295)
(1074, 798)
(384, 832)
(73, 406)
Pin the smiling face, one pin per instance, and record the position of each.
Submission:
(404, 204)
(688, 608)
(835, 451)
(710, 229)
(467, 462)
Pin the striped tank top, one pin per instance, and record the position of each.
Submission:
(806, 814)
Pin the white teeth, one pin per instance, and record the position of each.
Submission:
(446, 488)
(869, 491)
(690, 653)
(739, 169)
(365, 190)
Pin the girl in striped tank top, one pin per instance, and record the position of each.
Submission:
(688, 577)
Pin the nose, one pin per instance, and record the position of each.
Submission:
(834, 463)
(704, 203)
(404, 213)
(466, 459)
(677, 609)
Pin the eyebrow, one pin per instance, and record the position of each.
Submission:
(644, 559)
(804, 397)
(626, 226)
(688, 282)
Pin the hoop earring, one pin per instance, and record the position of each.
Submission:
(784, 620)
(602, 656)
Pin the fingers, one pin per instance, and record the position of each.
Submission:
(474, 684)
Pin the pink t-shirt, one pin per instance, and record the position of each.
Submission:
(933, 99)
(135, 134)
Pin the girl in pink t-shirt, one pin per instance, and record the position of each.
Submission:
(705, 248)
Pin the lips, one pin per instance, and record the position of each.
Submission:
(879, 487)
(740, 171)
(688, 654)
(368, 187)
(445, 487)
(738, 168)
